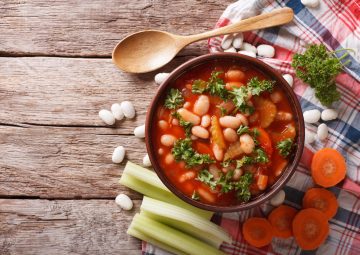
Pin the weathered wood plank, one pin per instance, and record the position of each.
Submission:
(93, 28)
(51, 162)
(65, 227)
(71, 91)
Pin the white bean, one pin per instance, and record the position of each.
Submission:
(163, 125)
(116, 111)
(243, 119)
(329, 114)
(238, 40)
(214, 171)
(227, 41)
(200, 132)
(218, 153)
(202, 105)
(167, 140)
(248, 47)
(107, 117)
(146, 161)
(247, 143)
(161, 77)
(187, 105)
(311, 3)
(311, 116)
(230, 122)
(231, 49)
(189, 175)
(275, 97)
(322, 131)
(169, 159)
(265, 50)
(283, 116)
(237, 174)
(175, 122)
(161, 151)
(118, 154)
(289, 79)
(205, 121)
(189, 116)
(124, 202)
(193, 137)
(230, 135)
(140, 131)
(247, 53)
(128, 109)
(278, 199)
(309, 137)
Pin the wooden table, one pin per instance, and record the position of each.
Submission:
(57, 181)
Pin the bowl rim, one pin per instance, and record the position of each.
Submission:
(268, 71)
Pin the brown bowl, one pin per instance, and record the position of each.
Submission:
(270, 73)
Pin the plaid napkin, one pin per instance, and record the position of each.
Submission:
(336, 24)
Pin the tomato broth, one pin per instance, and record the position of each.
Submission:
(224, 163)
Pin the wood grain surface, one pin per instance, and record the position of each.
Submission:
(57, 181)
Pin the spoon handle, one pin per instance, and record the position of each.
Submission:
(277, 17)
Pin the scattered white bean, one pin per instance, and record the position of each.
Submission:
(230, 135)
(140, 131)
(169, 159)
(309, 137)
(161, 77)
(227, 41)
(202, 105)
(329, 114)
(118, 154)
(243, 119)
(231, 49)
(205, 121)
(200, 132)
(116, 111)
(230, 122)
(128, 109)
(247, 144)
(107, 117)
(247, 53)
(146, 161)
(265, 50)
(124, 202)
(163, 125)
(322, 131)
(278, 199)
(167, 140)
(238, 40)
(189, 116)
(237, 174)
(289, 79)
(311, 3)
(311, 116)
(248, 47)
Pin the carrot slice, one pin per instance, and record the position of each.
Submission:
(216, 133)
(322, 200)
(267, 111)
(257, 232)
(328, 167)
(281, 219)
(265, 141)
(310, 228)
(262, 181)
(233, 151)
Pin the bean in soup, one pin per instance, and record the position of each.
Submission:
(224, 133)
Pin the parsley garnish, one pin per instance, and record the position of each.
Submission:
(225, 182)
(195, 196)
(199, 87)
(215, 86)
(174, 99)
(285, 147)
(183, 151)
(242, 187)
(243, 130)
(246, 160)
(319, 67)
(185, 124)
(206, 177)
(255, 86)
(261, 156)
(223, 110)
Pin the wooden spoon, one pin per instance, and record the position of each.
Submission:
(149, 50)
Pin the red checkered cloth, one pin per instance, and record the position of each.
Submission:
(334, 23)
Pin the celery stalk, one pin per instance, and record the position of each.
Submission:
(146, 182)
(135, 233)
(185, 221)
(172, 237)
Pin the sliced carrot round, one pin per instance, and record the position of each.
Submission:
(257, 232)
(281, 219)
(310, 228)
(322, 200)
(328, 167)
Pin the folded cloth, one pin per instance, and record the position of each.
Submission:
(336, 24)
